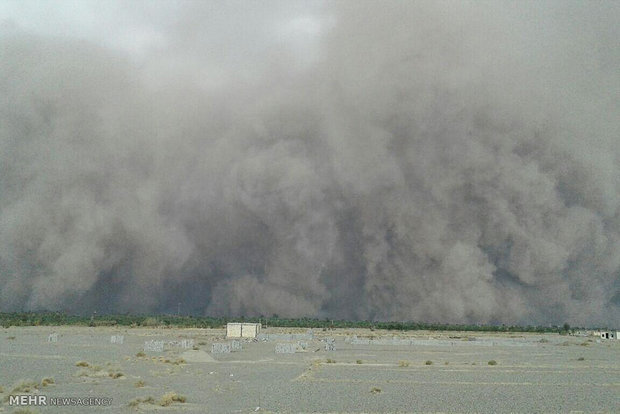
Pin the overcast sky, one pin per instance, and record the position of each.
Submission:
(212, 37)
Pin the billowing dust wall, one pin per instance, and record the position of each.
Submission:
(405, 160)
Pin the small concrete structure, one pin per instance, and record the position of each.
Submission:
(221, 348)
(233, 330)
(183, 343)
(285, 348)
(117, 339)
(242, 330)
(154, 346)
(613, 334)
(53, 337)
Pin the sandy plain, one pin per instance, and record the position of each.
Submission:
(533, 372)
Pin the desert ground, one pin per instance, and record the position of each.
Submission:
(368, 371)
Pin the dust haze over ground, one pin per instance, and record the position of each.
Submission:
(436, 161)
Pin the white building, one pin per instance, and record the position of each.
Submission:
(242, 330)
(607, 334)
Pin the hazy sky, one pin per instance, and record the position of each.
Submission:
(219, 34)
(447, 161)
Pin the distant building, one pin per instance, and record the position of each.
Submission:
(242, 330)
(613, 334)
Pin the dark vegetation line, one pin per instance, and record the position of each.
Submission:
(60, 319)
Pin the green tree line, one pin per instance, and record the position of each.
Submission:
(60, 319)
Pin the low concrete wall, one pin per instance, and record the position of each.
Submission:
(221, 348)
(285, 348)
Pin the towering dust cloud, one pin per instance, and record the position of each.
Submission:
(435, 161)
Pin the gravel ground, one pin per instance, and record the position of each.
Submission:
(534, 373)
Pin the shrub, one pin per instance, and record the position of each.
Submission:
(331, 361)
(581, 359)
(428, 362)
(139, 384)
(171, 397)
(375, 390)
(47, 381)
(82, 364)
(140, 354)
(150, 321)
(359, 361)
(25, 386)
(136, 402)
(492, 362)
(403, 363)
